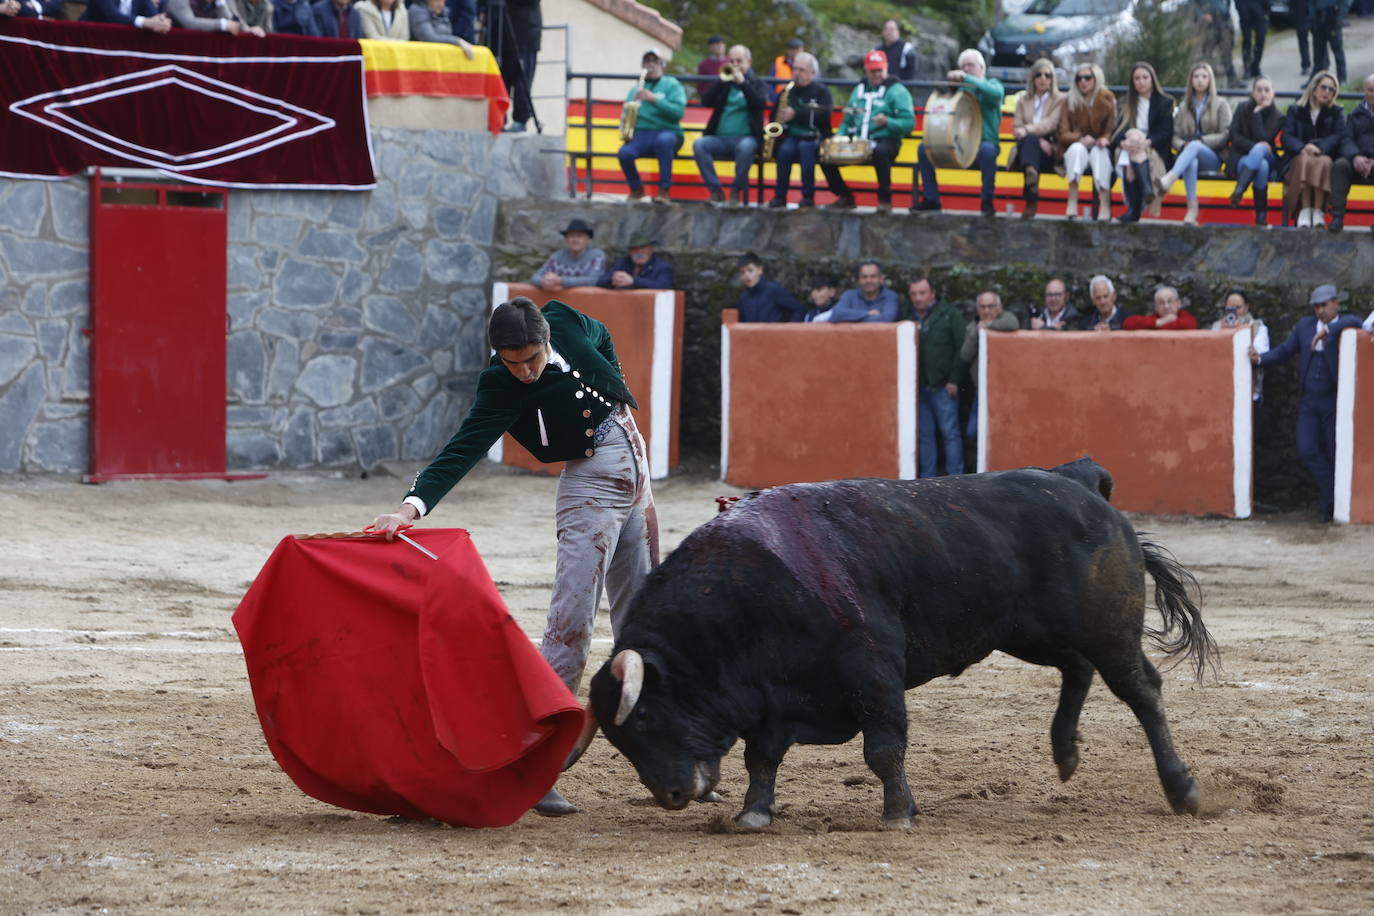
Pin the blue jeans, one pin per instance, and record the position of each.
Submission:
(710, 148)
(985, 162)
(938, 408)
(794, 149)
(1261, 161)
(1194, 156)
(646, 144)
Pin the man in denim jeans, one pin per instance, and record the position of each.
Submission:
(736, 124)
(942, 372)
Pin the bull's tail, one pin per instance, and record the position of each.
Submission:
(1177, 595)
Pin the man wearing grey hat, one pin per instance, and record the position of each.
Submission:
(1316, 340)
(641, 268)
(576, 264)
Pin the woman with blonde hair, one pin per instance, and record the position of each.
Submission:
(1201, 126)
(1311, 137)
(1085, 121)
(1032, 127)
(1144, 132)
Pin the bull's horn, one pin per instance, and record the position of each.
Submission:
(584, 738)
(628, 667)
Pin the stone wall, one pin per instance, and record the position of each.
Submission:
(356, 319)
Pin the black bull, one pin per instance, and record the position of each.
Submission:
(804, 613)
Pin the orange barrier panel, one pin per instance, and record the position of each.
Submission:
(803, 402)
(1167, 412)
(646, 325)
(1355, 430)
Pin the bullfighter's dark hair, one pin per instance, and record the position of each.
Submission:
(749, 258)
(516, 324)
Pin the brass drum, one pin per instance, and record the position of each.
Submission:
(846, 150)
(953, 129)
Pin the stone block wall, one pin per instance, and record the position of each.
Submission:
(356, 320)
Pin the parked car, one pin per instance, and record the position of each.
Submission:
(1280, 13)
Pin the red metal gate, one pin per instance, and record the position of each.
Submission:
(158, 278)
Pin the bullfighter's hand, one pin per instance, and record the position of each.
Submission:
(387, 525)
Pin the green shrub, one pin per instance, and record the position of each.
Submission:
(1167, 40)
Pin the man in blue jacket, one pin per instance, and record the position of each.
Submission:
(141, 14)
(337, 19)
(874, 300)
(1316, 339)
(641, 268)
(763, 300)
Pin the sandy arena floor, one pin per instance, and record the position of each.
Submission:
(134, 777)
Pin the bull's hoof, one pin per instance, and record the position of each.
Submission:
(753, 820)
(553, 804)
(1190, 803)
(711, 797)
(898, 823)
(1068, 765)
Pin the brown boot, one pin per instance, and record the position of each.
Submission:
(1032, 192)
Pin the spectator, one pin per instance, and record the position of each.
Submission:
(208, 16)
(735, 127)
(1254, 25)
(294, 17)
(658, 126)
(640, 268)
(1218, 35)
(942, 372)
(32, 9)
(1250, 152)
(972, 78)
(1056, 314)
(254, 14)
(901, 56)
(879, 109)
(1105, 316)
(782, 67)
(1302, 24)
(462, 17)
(874, 300)
(337, 19)
(429, 22)
(515, 39)
(384, 20)
(1328, 19)
(1168, 315)
(1356, 155)
(825, 289)
(1316, 341)
(991, 317)
(1032, 129)
(1144, 131)
(806, 121)
(762, 299)
(1235, 314)
(1201, 125)
(575, 264)
(710, 65)
(141, 14)
(1311, 137)
(1081, 139)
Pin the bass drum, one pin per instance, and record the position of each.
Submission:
(953, 129)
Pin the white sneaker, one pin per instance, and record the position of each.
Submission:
(1318, 218)
(1305, 218)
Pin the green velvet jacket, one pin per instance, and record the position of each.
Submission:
(554, 418)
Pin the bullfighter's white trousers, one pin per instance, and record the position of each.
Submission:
(607, 538)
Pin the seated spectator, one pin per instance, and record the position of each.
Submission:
(1056, 314)
(658, 126)
(254, 14)
(337, 19)
(575, 264)
(294, 17)
(640, 268)
(735, 128)
(1356, 165)
(428, 22)
(873, 300)
(208, 16)
(1082, 137)
(972, 78)
(762, 299)
(1144, 130)
(1250, 154)
(384, 20)
(878, 109)
(991, 317)
(1168, 314)
(805, 121)
(941, 372)
(710, 65)
(1032, 128)
(1311, 137)
(140, 14)
(901, 56)
(1201, 125)
(825, 289)
(1235, 315)
(32, 9)
(1105, 316)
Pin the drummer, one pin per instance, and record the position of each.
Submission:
(972, 78)
(878, 110)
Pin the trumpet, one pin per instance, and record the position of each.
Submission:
(727, 72)
(773, 129)
(629, 115)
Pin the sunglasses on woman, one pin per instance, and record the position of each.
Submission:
(1083, 78)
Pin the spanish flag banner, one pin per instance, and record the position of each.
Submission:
(436, 69)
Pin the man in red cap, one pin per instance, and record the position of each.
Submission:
(879, 110)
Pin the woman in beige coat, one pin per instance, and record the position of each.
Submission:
(1032, 127)
(1084, 135)
(385, 20)
(1201, 125)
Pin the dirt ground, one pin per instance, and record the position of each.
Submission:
(134, 777)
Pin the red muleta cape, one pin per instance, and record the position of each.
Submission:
(392, 683)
